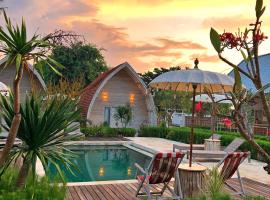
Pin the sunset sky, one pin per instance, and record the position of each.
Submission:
(145, 33)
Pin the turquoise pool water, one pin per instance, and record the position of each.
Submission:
(102, 163)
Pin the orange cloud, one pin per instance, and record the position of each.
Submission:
(168, 43)
(118, 46)
(145, 33)
(205, 58)
(232, 22)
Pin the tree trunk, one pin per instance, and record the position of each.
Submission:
(16, 119)
(254, 144)
(23, 174)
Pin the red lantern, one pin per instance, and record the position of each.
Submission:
(198, 106)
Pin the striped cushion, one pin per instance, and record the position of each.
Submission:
(164, 166)
(231, 163)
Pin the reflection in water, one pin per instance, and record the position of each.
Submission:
(100, 163)
(101, 171)
(129, 170)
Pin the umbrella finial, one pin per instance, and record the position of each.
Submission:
(196, 62)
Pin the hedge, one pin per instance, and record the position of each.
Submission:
(105, 131)
(182, 134)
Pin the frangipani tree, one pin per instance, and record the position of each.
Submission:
(19, 48)
(247, 43)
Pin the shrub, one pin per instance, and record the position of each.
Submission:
(109, 132)
(126, 132)
(183, 134)
(92, 131)
(105, 131)
(153, 131)
(41, 189)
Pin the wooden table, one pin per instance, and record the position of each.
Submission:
(212, 145)
(190, 181)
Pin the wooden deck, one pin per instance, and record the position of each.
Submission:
(127, 191)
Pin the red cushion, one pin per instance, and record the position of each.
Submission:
(141, 177)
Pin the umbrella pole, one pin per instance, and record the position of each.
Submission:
(192, 125)
(212, 121)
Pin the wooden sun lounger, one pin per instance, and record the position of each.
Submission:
(208, 156)
(185, 147)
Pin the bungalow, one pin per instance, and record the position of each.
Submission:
(31, 79)
(119, 86)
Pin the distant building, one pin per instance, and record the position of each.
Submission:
(117, 87)
(31, 80)
(264, 60)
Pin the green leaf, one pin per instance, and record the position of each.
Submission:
(244, 56)
(238, 83)
(54, 69)
(215, 39)
(258, 7)
(261, 12)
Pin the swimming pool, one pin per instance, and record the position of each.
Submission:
(103, 163)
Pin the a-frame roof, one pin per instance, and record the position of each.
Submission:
(90, 92)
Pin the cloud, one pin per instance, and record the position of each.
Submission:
(205, 58)
(168, 43)
(70, 8)
(118, 46)
(152, 49)
(232, 22)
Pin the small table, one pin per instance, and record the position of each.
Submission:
(191, 180)
(212, 145)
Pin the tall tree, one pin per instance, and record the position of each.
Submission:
(19, 48)
(148, 76)
(80, 60)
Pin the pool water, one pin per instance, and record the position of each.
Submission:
(102, 163)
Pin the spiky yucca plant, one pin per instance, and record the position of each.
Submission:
(19, 48)
(43, 130)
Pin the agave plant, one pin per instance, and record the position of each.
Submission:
(43, 130)
(19, 48)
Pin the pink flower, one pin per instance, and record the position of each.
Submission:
(227, 122)
(198, 106)
(268, 132)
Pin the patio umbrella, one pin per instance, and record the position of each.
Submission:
(193, 80)
(4, 90)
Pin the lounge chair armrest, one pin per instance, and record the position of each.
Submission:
(140, 168)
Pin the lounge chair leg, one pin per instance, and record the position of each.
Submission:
(178, 184)
(174, 195)
(164, 188)
(147, 190)
(139, 188)
(241, 183)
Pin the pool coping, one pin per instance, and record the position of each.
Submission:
(101, 182)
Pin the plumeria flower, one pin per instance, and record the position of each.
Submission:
(227, 122)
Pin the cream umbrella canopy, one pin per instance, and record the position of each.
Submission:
(193, 80)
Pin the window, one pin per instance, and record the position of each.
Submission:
(107, 115)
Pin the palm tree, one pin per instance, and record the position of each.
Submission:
(124, 114)
(43, 130)
(18, 49)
